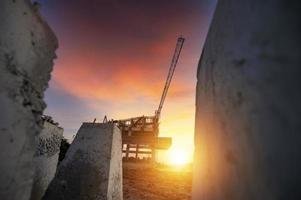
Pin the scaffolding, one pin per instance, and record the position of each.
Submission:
(140, 137)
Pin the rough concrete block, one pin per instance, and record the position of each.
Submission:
(248, 98)
(92, 168)
(46, 157)
(27, 50)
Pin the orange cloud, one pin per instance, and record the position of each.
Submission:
(111, 78)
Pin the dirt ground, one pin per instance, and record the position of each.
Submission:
(156, 184)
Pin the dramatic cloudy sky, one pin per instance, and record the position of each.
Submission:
(113, 60)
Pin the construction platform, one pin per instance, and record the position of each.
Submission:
(140, 137)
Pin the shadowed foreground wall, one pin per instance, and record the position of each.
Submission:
(248, 141)
(27, 48)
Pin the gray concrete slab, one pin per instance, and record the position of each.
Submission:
(46, 158)
(248, 103)
(92, 168)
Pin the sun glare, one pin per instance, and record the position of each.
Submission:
(178, 157)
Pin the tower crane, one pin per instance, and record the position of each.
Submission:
(142, 133)
(171, 71)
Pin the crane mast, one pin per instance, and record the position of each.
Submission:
(172, 68)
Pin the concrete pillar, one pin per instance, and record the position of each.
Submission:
(27, 50)
(46, 157)
(248, 103)
(92, 168)
(137, 150)
(154, 154)
(127, 151)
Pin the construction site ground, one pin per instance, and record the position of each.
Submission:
(156, 184)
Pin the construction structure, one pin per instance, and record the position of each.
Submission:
(140, 135)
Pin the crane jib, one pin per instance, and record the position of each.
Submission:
(171, 71)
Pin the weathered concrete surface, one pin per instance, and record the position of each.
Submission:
(27, 48)
(92, 168)
(46, 157)
(248, 103)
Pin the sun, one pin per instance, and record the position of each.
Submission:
(178, 157)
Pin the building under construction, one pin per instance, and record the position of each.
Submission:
(140, 135)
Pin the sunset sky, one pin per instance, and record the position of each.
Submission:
(113, 59)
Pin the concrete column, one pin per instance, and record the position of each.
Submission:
(27, 50)
(46, 157)
(127, 151)
(92, 168)
(248, 141)
(154, 154)
(137, 150)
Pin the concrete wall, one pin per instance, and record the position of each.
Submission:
(115, 189)
(92, 168)
(27, 50)
(46, 158)
(248, 103)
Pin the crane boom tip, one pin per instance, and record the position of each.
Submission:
(181, 37)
